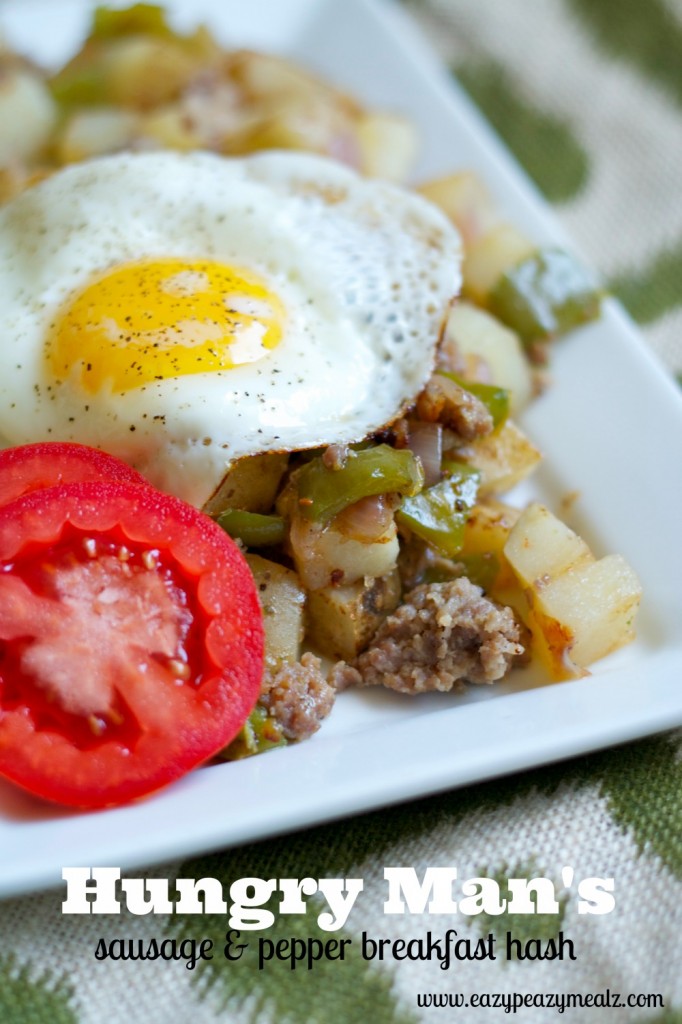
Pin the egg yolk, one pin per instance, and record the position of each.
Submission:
(158, 319)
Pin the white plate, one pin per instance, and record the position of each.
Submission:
(608, 428)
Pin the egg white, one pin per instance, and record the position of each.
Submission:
(364, 269)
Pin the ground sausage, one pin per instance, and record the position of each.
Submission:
(444, 401)
(298, 697)
(442, 634)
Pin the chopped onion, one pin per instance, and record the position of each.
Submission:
(426, 442)
(366, 520)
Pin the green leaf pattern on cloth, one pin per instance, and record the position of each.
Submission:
(647, 34)
(278, 992)
(525, 927)
(545, 144)
(24, 998)
(655, 824)
(653, 290)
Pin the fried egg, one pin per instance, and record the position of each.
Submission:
(182, 311)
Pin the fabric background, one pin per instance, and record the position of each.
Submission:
(587, 94)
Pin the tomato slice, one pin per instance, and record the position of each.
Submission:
(131, 641)
(32, 466)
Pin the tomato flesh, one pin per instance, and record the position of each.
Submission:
(131, 641)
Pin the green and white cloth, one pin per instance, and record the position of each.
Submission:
(588, 95)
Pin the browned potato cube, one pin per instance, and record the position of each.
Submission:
(504, 458)
(479, 347)
(282, 599)
(466, 201)
(27, 115)
(491, 256)
(342, 620)
(388, 145)
(580, 609)
(251, 484)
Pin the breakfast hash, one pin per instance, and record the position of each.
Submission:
(259, 402)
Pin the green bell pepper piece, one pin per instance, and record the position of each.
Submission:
(259, 733)
(323, 492)
(143, 19)
(438, 515)
(79, 86)
(254, 529)
(494, 398)
(545, 295)
(482, 569)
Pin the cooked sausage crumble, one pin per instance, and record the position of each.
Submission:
(442, 635)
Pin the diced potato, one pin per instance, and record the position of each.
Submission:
(27, 115)
(292, 109)
(491, 256)
(311, 124)
(145, 71)
(504, 458)
(466, 201)
(342, 620)
(486, 532)
(138, 69)
(580, 609)
(544, 546)
(388, 145)
(597, 603)
(282, 599)
(95, 132)
(512, 596)
(324, 556)
(263, 75)
(250, 485)
(481, 348)
(170, 127)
